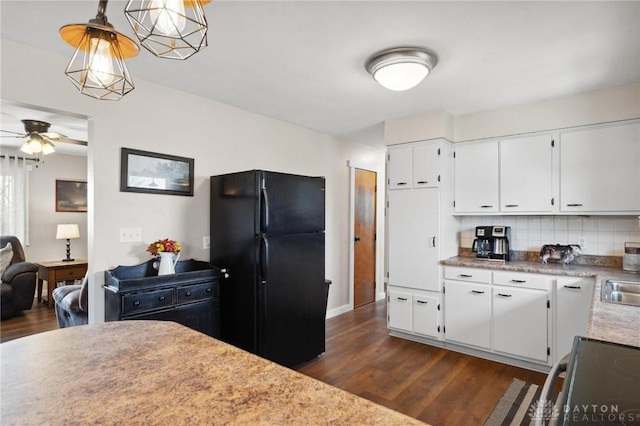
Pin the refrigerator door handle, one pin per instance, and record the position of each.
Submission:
(265, 209)
(264, 259)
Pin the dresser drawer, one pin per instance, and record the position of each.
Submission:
(67, 274)
(522, 279)
(196, 292)
(138, 302)
(467, 274)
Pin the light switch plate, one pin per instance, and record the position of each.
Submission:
(206, 243)
(130, 235)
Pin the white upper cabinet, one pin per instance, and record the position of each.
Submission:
(425, 165)
(476, 171)
(400, 164)
(526, 174)
(600, 169)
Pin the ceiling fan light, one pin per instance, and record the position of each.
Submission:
(401, 68)
(26, 148)
(172, 29)
(47, 148)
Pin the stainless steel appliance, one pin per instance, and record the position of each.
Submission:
(601, 386)
(267, 230)
(492, 243)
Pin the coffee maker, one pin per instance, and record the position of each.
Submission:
(492, 243)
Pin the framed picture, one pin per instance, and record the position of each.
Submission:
(153, 173)
(71, 196)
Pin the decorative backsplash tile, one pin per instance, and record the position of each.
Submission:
(597, 235)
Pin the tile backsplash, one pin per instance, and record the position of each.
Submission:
(598, 235)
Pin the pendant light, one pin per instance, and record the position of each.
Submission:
(97, 67)
(401, 68)
(173, 29)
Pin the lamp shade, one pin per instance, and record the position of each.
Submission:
(401, 68)
(67, 231)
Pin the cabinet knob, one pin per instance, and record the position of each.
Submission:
(188, 293)
(136, 303)
(208, 290)
(161, 298)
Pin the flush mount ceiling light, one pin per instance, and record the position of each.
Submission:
(401, 68)
(97, 67)
(173, 29)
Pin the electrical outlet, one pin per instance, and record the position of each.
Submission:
(130, 235)
(206, 243)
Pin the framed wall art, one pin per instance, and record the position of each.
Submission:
(71, 196)
(153, 173)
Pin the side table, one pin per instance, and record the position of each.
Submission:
(55, 271)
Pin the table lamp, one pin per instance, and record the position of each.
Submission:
(68, 231)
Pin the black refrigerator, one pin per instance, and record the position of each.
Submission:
(267, 231)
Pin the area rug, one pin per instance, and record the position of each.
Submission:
(513, 407)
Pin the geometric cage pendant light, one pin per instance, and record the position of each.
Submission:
(97, 67)
(401, 68)
(172, 29)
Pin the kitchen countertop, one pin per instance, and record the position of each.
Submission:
(607, 321)
(155, 372)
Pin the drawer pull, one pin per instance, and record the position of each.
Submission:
(512, 205)
(401, 183)
(423, 302)
(574, 205)
(519, 281)
(208, 290)
(465, 275)
(136, 303)
(422, 182)
(573, 287)
(486, 207)
(401, 298)
(161, 298)
(504, 295)
(477, 292)
(188, 294)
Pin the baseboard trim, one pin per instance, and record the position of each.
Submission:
(339, 310)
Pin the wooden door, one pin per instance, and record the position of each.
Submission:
(364, 246)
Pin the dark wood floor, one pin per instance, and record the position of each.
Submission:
(434, 385)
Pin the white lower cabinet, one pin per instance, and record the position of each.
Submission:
(467, 313)
(414, 311)
(425, 315)
(399, 313)
(572, 306)
(520, 322)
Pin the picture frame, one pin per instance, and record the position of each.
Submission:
(71, 196)
(154, 173)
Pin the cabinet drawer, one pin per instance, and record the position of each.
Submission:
(138, 302)
(194, 292)
(70, 273)
(521, 279)
(467, 274)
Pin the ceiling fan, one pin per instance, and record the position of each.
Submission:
(39, 139)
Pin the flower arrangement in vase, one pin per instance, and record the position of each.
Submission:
(168, 251)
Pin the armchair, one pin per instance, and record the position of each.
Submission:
(18, 286)
(72, 304)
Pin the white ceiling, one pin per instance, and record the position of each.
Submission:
(303, 61)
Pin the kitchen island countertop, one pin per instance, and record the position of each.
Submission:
(607, 321)
(156, 372)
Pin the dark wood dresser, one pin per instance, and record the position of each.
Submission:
(190, 297)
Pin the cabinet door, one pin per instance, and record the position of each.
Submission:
(573, 304)
(399, 310)
(425, 165)
(413, 239)
(599, 169)
(526, 174)
(425, 315)
(520, 322)
(476, 177)
(201, 316)
(467, 313)
(399, 168)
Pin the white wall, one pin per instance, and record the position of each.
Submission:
(220, 138)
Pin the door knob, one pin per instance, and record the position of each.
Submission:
(356, 239)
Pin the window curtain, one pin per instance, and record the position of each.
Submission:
(14, 201)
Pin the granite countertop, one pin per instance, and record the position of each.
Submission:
(607, 321)
(153, 372)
